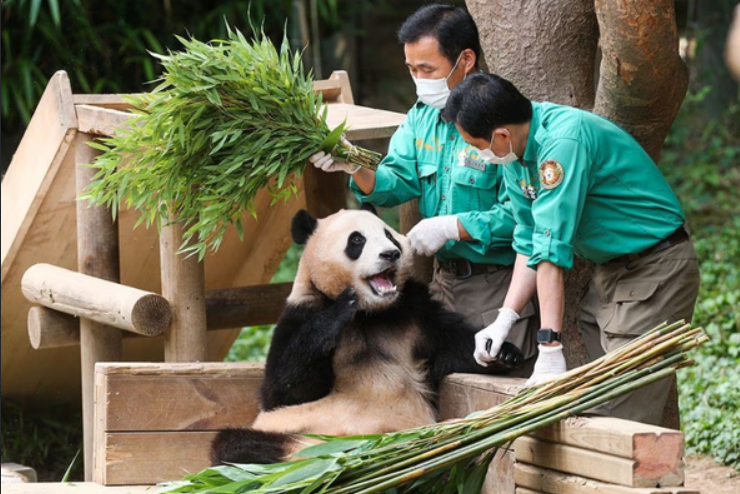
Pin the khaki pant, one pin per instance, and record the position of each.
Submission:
(479, 299)
(625, 300)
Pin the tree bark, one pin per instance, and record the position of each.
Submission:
(643, 79)
(548, 50)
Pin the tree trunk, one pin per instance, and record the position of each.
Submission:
(547, 48)
(643, 80)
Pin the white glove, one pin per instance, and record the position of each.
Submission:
(550, 363)
(429, 235)
(496, 333)
(327, 163)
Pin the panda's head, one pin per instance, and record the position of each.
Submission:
(351, 248)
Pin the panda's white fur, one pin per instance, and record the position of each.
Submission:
(360, 347)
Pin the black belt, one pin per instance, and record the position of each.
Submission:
(463, 269)
(675, 238)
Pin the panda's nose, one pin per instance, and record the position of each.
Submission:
(391, 255)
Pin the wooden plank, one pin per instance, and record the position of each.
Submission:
(101, 121)
(655, 448)
(552, 482)
(183, 285)
(364, 122)
(75, 488)
(592, 464)
(342, 77)
(500, 476)
(111, 101)
(179, 396)
(466, 393)
(35, 164)
(152, 457)
(101, 423)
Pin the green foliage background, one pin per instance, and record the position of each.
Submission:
(701, 159)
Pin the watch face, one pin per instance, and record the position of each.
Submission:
(547, 336)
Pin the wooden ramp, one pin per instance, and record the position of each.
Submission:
(39, 226)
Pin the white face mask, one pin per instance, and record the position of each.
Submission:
(488, 156)
(434, 92)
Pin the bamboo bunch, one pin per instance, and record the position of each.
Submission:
(454, 456)
(228, 119)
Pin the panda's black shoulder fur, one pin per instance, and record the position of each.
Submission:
(299, 363)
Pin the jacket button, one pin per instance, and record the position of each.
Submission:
(452, 138)
(447, 168)
(472, 180)
(444, 197)
(632, 293)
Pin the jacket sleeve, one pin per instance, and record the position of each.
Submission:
(557, 210)
(396, 179)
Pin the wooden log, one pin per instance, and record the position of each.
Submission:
(592, 464)
(226, 308)
(96, 299)
(552, 482)
(655, 448)
(97, 256)
(183, 285)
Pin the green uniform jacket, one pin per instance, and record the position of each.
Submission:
(428, 159)
(586, 187)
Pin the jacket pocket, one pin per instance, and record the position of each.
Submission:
(474, 189)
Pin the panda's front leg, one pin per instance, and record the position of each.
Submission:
(299, 363)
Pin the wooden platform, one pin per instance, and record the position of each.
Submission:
(39, 226)
(76, 488)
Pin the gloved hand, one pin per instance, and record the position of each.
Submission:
(327, 163)
(496, 333)
(550, 363)
(429, 235)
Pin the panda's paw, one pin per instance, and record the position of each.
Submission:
(345, 306)
(510, 356)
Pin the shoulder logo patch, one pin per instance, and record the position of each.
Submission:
(551, 174)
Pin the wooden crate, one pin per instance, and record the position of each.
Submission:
(154, 423)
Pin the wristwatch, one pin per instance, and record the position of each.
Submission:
(547, 335)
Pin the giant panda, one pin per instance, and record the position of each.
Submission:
(360, 347)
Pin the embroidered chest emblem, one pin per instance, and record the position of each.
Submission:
(528, 190)
(551, 174)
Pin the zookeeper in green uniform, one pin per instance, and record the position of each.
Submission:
(580, 185)
(467, 222)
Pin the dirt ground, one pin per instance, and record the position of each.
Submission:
(704, 474)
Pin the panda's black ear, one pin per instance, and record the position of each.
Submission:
(366, 206)
(302, 226)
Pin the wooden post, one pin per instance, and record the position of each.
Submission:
(183, 285)
(97, 255)
(409, 216)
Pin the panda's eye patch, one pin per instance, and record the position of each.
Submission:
(355, 244)
(390, 237)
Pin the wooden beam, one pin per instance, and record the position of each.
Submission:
(655, 448)
(45, 143)
(112, 101)
(245, 306)
(342, 78)
(592, 464)
(74, 488)
(96, 299)
(183, 285)
(552, 482)
(97, 256)
(226, 308)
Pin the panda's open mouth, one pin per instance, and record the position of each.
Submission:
(382, 283)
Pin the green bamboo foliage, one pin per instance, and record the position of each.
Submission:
(227, 119)
(453, 457)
